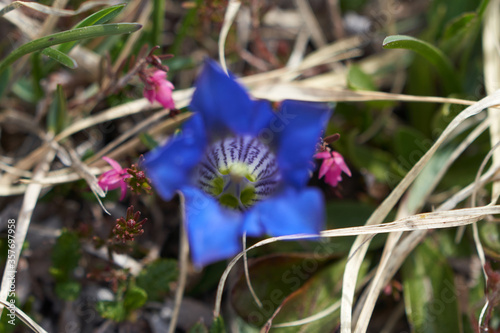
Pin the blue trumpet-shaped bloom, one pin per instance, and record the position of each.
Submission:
(241, 166)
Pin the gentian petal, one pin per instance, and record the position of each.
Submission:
(170, 166)
(214, 232)
(225, 104)
(289, 212)
(298, 133)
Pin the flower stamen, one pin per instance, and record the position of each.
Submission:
(238, 171)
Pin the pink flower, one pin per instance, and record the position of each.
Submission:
(160, 89)
(332, 166)
(115, 178)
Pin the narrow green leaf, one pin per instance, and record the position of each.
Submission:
(56, 118)
(431, 53)
(4, 81)
(101, 17)
(458, 25)
(158, 17)
(36, 75)
(218, 326)
(60, 57)
(199, 327)
(23, 89)
(68, 36)
(148, 141)
(482, 7)
(189, 19)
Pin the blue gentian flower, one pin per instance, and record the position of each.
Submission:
(241, 166)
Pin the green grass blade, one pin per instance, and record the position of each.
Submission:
(60, 57)
(431, 53)
(68, 36)
(56, 118)
(4, 81)
(36, 76)
(158, 17)
(101, 17)
(482, 7)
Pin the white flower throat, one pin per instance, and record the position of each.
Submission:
(238, 171)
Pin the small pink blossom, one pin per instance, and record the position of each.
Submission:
(332, 166)
(114, 178)
(160, 89)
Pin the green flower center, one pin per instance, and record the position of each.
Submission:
(239, 172)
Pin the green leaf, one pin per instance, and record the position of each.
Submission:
(359, 80)
(429, 292)
(273, 277)
(409, 146)
(320, 292)
(101, 17)
(431, 53)
(36, 75)
(482, 7)
(4, 81)
(376, 161)
(112, 310)
(24, 90)
(156, 277)
(135, 297)
(158, 18)
(56, 118)
(148, 141)
(459, 25)
(344, 214)
(68, 36)
(68, 290)
(60, 57)
(490, 238)
(199, 327)
(66, 253)
(218, 326)
(419, 190)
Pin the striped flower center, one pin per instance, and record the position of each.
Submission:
(238, 171)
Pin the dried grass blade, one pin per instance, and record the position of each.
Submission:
(491, 47)
(25, 318)
(360, 246)
(55, 11)
(426, 221)
(311, 22)
(364, 314)
(232, 9)
(22, 224)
